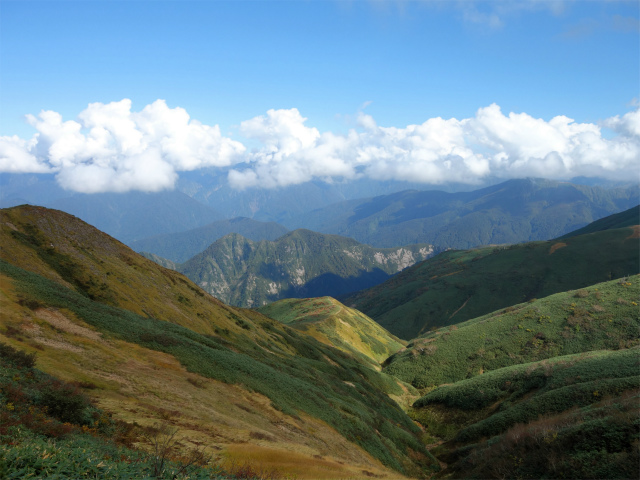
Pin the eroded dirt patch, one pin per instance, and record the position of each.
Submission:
(61, 322)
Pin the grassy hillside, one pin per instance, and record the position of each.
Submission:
(604, 316)
(628, 218)
(180, 247)
(330, 322)
(458, 285)
(299, 264)
(166, 351)
(510, 212)
(50, 429)
(572, 416)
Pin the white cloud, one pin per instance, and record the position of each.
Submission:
(440, 150)
(111, 148)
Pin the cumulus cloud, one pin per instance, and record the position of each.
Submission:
(111, 148)
(439, 150)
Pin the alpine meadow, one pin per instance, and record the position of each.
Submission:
(320, 240)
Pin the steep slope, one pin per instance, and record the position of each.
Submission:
(155, 348)
(627, 218)
(458, 285)
(135, 215)
(510, 212)
(297, 265)
(603, 316)
(330, 322)
(573, 416)
(180, 247)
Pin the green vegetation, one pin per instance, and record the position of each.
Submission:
(299, 264)
(628, 218)
(50, 429)
(180, 247)
(295, 372)
(332, 323)
(604, 316)
(572, 416)
(458, 285)
(510, 212)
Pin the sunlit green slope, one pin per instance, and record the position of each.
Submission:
(332, 323)
(157, 348)
(458, 285)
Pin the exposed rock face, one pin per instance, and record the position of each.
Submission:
(297, 265)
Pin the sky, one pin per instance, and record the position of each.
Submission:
(119, 96)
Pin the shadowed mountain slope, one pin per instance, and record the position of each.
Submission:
(180, 247)
(330, 322)
(458, 285)
(158, 348)
(299, 264)
(510, 212)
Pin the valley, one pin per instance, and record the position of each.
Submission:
(441, 360)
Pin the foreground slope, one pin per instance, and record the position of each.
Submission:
(510, 212)
(332, 323)
(299, 264)
(154, 347)
(573, 416)
(458, 285)
(603, 316)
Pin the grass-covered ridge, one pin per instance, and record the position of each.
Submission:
(604, 316)
(332, 323)
(458, 285)
(572, 416)
(307, 377)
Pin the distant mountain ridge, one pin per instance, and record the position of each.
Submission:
(135, 215)
(455, 286)
(297, 265)
(510, 212)
(180, 247)
(617, 220)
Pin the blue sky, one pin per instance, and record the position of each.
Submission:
(399, 62)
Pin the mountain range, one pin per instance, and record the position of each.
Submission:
(299, 264)
(180, 247)
(152, 347)
(521, 359)
(457, 285)
(510, 212)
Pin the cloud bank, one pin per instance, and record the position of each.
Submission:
(112, 149)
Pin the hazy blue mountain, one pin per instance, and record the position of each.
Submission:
(29, 188)
(299, 264)
(180, 247)
(618, 220)
(279, 204)
(510, 212)
(135, 215)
